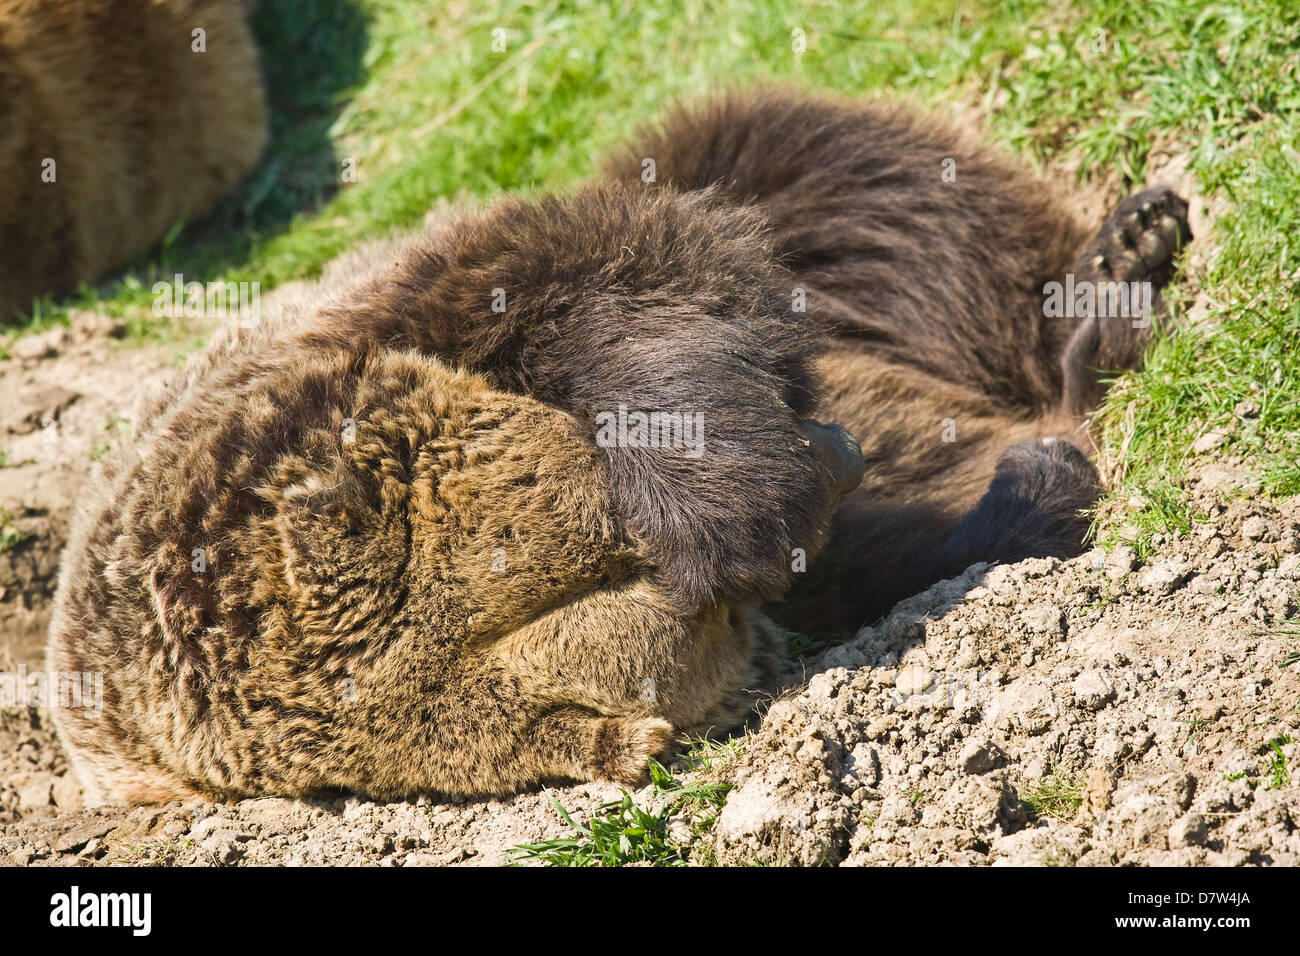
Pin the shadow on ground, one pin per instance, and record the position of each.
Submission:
(312, 54)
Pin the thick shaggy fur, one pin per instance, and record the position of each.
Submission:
(444, 599)
(142, 130)
(931, 293)
(469, 595)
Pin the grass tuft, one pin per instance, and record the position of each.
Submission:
(1279, 775)
(623, 833)
(1057, 795)
(10, 534)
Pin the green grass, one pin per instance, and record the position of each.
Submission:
(1058, 795)
(416, 99)
(622, 832)
(704, 754)
(1292, 654)
(157, 852)
(1195, 727)
(1277, 771)
(800, 645)
(10, 534)
(1160, 509)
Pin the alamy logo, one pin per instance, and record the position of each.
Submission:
(217, 300)
(918, 688)
(624, 429)
(75, 908)
(57, 689)
(1105, 300)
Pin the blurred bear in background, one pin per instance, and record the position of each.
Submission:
(118, 118)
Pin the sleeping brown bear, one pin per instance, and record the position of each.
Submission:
(438, 524)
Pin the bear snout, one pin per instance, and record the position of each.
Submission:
(838, 452)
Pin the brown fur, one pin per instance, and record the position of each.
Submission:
(932, 295)
(142, 130)
(378, 561)
(353, 627)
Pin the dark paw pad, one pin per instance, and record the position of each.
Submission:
(1142, 237)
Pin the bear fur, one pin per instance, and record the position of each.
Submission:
(141, 130)
(376, 573)
(374, 544)
(940, 356)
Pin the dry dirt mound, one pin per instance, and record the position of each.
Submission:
(1095, 711)
(1090, 711)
